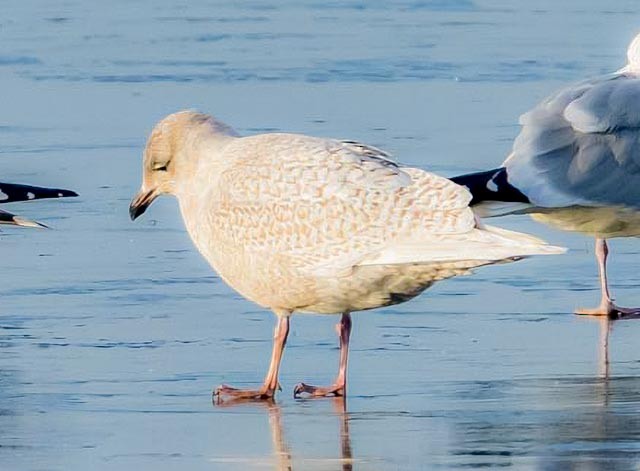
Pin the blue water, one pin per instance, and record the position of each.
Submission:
(113, 334)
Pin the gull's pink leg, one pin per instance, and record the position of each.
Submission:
(607, 307)
(338, 388)
(602, 251)
(271, 380)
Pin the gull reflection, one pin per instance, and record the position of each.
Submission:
(282, 449)
(606, 325)
(283, 456)
(558, 423)
(340, 407)
(280, 446)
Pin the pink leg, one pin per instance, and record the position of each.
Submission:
(607, 307)
(338, 388)
(271, 380)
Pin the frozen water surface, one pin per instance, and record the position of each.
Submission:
(113, 334)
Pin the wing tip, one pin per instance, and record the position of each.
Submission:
(13, 192)
(23, 222)
(12, 219)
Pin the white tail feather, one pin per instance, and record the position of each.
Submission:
(486, 243)
(489, 209)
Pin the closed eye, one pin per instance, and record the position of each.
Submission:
(160, 168)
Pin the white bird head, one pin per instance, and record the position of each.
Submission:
(169, 154)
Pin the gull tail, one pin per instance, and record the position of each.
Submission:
(10, 192)
(518, 244)
(492, 193)
(485, 244)
(8, 218)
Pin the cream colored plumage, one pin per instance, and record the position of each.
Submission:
(299, 223)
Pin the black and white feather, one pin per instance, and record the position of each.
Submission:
(13, 192)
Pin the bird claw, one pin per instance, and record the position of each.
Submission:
(336, 390)
(625, 313)
(239, 395)
(611, 311)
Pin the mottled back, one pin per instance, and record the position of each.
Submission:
(319, 202)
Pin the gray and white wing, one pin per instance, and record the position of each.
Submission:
(581, 146)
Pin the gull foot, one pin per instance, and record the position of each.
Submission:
(611, 311)
(336, 390)
(240, 395)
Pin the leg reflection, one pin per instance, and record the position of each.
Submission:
(340, 408)
(280, 445)
(602, 386)
(603, 345)
(282, 450)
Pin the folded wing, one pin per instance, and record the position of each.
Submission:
(581, 146)
(327, 206)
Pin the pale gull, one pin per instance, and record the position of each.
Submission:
(299, 223)
(576, 165)
(12, 192)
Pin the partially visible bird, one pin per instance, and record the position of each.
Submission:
(299, 223)
(576, 165)
(12, 192)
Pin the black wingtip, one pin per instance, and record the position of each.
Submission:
(66, 193)
(492, 185)
(9, 218)
(11, 192)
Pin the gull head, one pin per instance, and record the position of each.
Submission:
(633, 56)
(171, 154)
